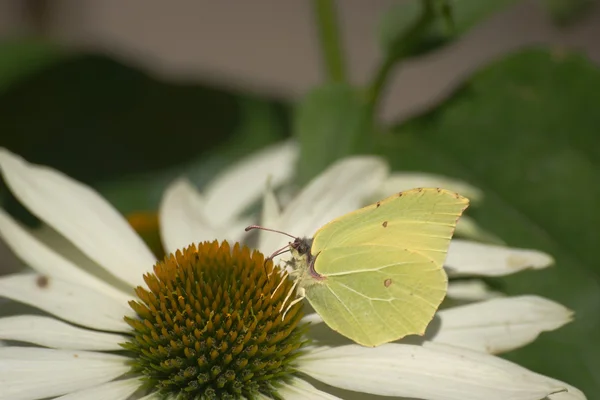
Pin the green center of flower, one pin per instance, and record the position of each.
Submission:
(210, 325)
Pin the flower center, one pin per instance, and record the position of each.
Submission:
(210, 325)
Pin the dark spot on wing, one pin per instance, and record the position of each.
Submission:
(384, 224)
(439, 190)
(387, 282)
(419, 190)
(400, 194)
(42, 281)
(378, 204)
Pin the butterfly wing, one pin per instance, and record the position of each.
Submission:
(382, 266)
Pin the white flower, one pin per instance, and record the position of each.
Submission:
(80, 357)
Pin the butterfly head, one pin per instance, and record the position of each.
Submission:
(301, 246)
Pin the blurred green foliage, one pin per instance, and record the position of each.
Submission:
(524, 130)
(318, 121)
(23, 57)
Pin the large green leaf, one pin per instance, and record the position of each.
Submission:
(526, 131)
(331, 122)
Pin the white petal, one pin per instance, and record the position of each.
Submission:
(400, 181)
(433, 372)
(182, 218)
(572, 392)
(29, 373)
(333, 193)
(467, 228)
(46, 261)
(299, 389)
(55, 241)
(471, 258)
(81, 215)
(271, 210)
(471, 290)
(50, 332)
(71, 302)
(115, 390)
(242, 184)
(500, 325)
(236, 229)
(151, 396)
(313, 318)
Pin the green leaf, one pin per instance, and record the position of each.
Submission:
(331, 122)
(525, 130)
(20, 58)
(566, 12)
(450, 19)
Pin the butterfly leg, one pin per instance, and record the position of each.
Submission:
(289, 293)
(283, 279)
(300, 296)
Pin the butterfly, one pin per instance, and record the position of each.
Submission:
(376, 274)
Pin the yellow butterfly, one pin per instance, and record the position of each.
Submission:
(376, 274)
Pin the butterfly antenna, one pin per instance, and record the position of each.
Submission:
(262, 228)
(277, 252)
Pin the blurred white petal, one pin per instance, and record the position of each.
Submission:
(313, 318)
(81, 215)
(471, 290)
(467, 228)
(500, 325)
(236, 229)
(182, 218)
(471, 258)
(242, 184)
(271, 211)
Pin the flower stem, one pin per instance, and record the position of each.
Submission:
(331, 48)
(402, 48)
